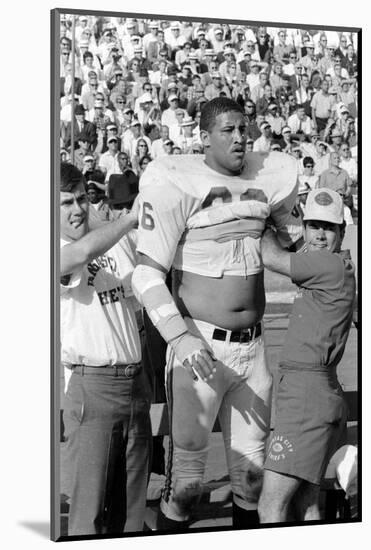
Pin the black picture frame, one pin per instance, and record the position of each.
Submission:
(57, 533)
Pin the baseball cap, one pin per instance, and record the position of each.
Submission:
(88, 157)
(128, 110)
(187, 121)
(79, 109)
(111, 138)
(145, 98)
(111, 127)
(272, 106)
(332, 90)
(264, 125)
(172, 97)
(216, 74)
(324, 204)
(286, 130)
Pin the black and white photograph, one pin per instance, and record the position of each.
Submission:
(205, 226)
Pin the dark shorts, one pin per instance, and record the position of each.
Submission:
(310, 418)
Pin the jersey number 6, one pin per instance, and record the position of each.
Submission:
(147, 221)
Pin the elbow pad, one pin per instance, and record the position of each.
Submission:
(150, 289)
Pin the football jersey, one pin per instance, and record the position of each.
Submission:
(196, 219)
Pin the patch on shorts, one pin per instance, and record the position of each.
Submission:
(279, 448)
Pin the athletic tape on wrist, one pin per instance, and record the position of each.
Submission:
(150, 289)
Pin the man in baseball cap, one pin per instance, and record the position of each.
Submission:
(307, 430)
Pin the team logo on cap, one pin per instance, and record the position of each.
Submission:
(279, 448)
(323, 199)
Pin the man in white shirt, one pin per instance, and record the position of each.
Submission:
(300, 123)
(108, 161)
(106, 403)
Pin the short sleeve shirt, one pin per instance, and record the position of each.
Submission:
(322, 311)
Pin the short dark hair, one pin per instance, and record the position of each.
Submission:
(71, 177)
(215, 107)
(145, 157)
(308, 160)
(86, 54)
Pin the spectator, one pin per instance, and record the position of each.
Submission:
(168, 146)
(98, 201)
(300, 123)
(122, 187)
(350, 62)
(347, 96)
(336, 178)
(143, 163)
(308, 178)
(141, 150)
(348, 163)
(157, 149)
(282, 50)
(186, 139)
(168, 116)
(321, 157)
(252, 78)
(258, 91)
(252, 127)
(263, 143)
(295, 79)
(216, 88)
(303, 94)
(263, 103)
(84, 148)
(66, 82)
(81, 125)
(276, 80)
(263, 45)
(276, 121)
(321, 107)
(309, 61)
(108, 161)
(286, 140)
(289, 68)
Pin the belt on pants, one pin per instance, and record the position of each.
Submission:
(242, 336)
(130, 371)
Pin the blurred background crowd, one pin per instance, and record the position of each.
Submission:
(132, 90)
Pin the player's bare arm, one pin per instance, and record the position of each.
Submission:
(274, 256)
(94, 243)
(149, 286)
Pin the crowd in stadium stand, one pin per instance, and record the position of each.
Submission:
(140, 85)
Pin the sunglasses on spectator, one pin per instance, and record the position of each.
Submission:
(120, 102)
(308, 165)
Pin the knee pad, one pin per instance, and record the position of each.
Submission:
(186, 483)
